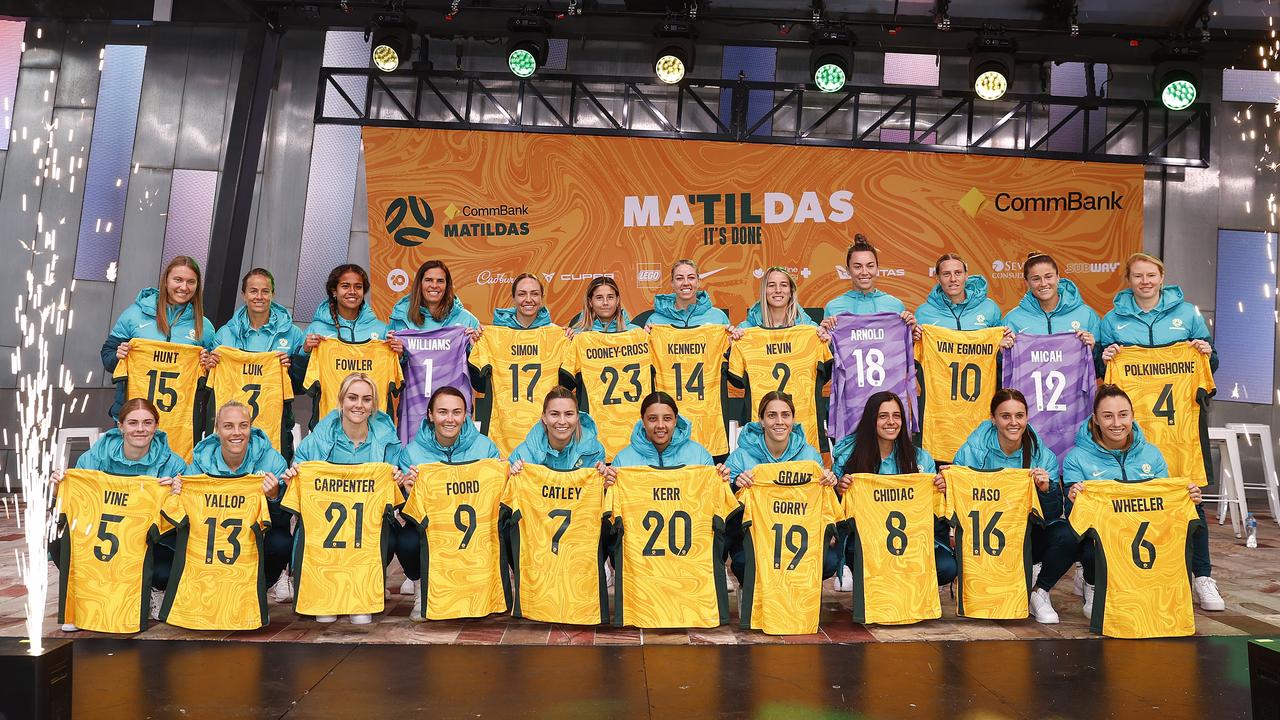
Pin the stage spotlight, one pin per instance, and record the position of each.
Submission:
(528, 49)
(831, 59)
(991, 67)
(1177, 77)
(673, 51)
(392, 43)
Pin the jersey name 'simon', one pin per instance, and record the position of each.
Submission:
(607, 353)
(1139, 504)
(555, 492)
(893, 494)
(524, 349)
(686, 348)
(1185, 367)
(359, 485)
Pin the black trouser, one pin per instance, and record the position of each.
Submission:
(405, 547)
(277, 543)
(1055, 547)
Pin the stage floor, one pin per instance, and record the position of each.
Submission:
(1249, 580)
(1185, 678)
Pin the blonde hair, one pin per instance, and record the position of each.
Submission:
(791, 314)
(1142, 257)
(682, 261)
(354, 378)
(587, 318)
(233, 405)
(197, 298)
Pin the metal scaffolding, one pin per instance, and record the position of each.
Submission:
(886, 118)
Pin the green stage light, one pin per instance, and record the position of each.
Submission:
(830, 57)
(1179, 91)
(522, 62)
(670, 66)
(830, 76)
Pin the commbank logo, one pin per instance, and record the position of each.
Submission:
(1073, 201)
(408, 219)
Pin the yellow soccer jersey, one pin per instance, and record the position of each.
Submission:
(895, 578)
(108, 523)
(667, 559)
(217, 581)
(167, 374)
(689, 365)
(457, 509)
(1169, 386)
(786, 360)
(1142, 532)
(520, 367)
(614, 372)
(256, 379)
(552, 520)
(991, 513)
(959, 379)
(333, 360)
(785, 517)
(337, 550)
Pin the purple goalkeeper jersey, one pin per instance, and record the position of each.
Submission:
(1056, 374)
(872, 353)
(433, 359)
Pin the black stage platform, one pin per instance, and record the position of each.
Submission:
(1194, 677)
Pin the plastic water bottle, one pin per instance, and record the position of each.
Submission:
(1251, 527)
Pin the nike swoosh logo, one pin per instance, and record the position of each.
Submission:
(705, 275)
(142, 325)
(1121, 327)
(1096, 473)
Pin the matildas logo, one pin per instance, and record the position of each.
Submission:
(1075, 324)
(408, 219)
(982, 319)
(1146, 467)
(1177, 322)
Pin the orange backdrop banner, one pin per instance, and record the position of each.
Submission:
(569, 208)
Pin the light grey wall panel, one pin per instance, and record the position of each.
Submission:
(79, 71)
(278, 231)
(144, 224)
(92, 318)
(236, 40)
(160, 107)
(358, 246)
(204, 99)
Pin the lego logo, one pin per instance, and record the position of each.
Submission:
(648, 275)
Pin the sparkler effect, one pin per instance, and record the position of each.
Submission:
(42, 312)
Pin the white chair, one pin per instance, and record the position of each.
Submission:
(64, 434)
(1230, 495)
(1269, 483)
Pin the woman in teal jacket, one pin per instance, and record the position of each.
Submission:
(663, 439)
(1151, 313)
(356, 432)
(238, 448)
(687, 305)
(136, 447)
(602, 309)
(435, 305)
(862, 261)
(879, 446)
(779, 304)
(260, 325)
(1052, 304)
(174, 313)
(345, 314)
(528, 307)
(446, 435)
(565, 439)
(959, 300)
(774, 438)
(1110, 446)
(1008, 441)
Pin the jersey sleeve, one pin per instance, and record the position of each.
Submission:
(726, 503)
(173, 509)
(397, 371)
(312, 378)
(1034, 502)
(939, 501)
(415, 507)
(286, 384)
(737, 360)
(122, 368)
(262, 514)
(291, 500)
(744, 497)
(569, 360)
(1205, 374)
(1084, 511)
(831, 510)
(949, 497)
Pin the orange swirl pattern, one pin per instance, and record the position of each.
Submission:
(108, 521)
(571, 192)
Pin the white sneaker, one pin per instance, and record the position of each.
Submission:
(157, 600)
(1035, 573)
(1077, 585)
(608, 576)
(1088, 601)
(361, 619)
(416, 613)
(731, 581)
(326, 618)
(282, 591)
(1206, 592)
(844, 580)
(69, 627)
(1042, 607)
(407, 587)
